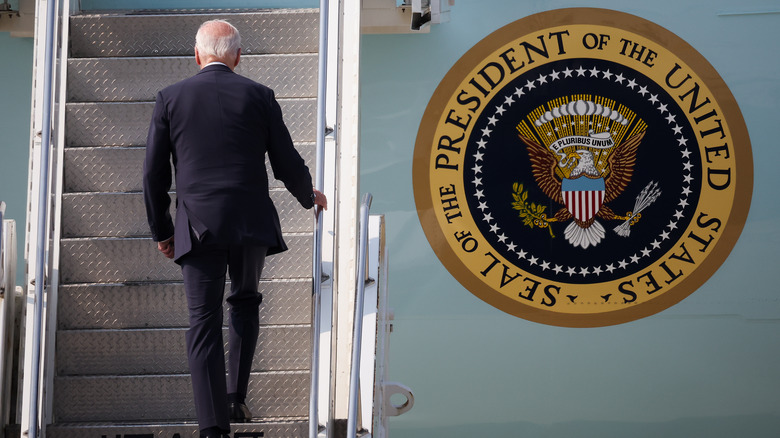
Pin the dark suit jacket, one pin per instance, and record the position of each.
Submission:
(217, 127)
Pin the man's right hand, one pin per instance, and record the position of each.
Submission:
(166, 247)
(320, 201)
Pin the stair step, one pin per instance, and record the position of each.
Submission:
(267, 428)
(120, 169)
(163, 351)
(169, 397)
(127, 123)
(164, 305)
(119, 260)
(122, 214)
(111, 35)
(139, 79)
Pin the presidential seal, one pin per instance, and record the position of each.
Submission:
(582, 167)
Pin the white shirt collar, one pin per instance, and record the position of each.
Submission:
(215, 62)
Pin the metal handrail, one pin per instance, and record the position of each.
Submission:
(317, 251)
(2, 250)
(357, 333)
(43, 203)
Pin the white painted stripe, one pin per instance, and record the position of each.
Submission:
(583, 204)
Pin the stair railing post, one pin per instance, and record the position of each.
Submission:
(41, 220)
(322, 85)
(357, 334)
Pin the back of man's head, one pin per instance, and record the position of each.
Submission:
(218, 40)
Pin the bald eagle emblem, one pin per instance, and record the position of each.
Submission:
(585, 170)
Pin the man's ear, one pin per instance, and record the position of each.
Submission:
(238, 58)
(197, 57)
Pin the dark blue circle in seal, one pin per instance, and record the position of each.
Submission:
(496, 159)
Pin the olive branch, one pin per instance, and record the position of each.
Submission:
(533, 214)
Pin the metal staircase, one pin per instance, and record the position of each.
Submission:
(120, 366)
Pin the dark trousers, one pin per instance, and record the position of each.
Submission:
(204, 269)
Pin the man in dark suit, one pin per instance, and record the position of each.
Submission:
(217, 127)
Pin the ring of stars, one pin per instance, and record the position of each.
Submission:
(582, 271)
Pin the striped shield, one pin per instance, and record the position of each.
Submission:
(583, 196)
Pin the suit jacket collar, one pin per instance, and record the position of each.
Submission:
(215, 67)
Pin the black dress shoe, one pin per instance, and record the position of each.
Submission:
(239, 413)
(213, 434)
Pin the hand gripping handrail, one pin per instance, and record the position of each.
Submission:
(357, 333)
(43, 203)
(322, 85)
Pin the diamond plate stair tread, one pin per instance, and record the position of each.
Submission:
(120, 169)
(139, 79)
(266, 428)
(273, 31)
(163, 351)
(164, 305)
(169, 397)
(124, 214)
(117, 260)
(127, 123)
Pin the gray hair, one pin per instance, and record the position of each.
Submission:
(218, 38)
